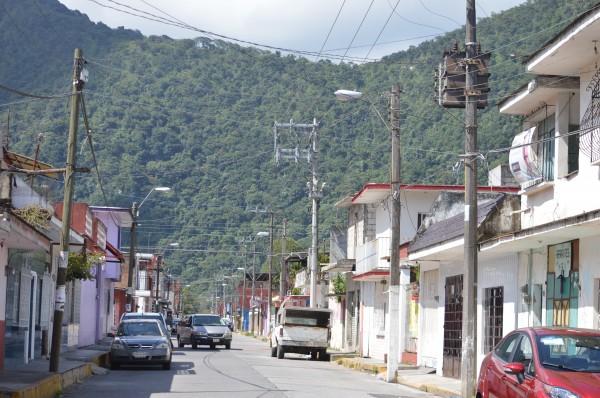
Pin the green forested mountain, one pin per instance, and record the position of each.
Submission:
(197, 116)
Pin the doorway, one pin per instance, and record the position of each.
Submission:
(453, 311)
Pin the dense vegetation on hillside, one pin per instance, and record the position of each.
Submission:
(197, 116)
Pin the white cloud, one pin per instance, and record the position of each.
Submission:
(299, 25)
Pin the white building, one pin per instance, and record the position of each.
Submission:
(545, 272)
(368, 237)
(559, 244)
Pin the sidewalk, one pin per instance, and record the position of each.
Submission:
(421, 378)
(33, 380)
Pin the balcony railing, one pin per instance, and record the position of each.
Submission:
(372, 255)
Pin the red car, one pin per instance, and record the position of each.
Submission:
(548, 362)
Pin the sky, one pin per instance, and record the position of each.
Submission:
(348, 30)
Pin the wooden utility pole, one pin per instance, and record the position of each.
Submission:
(394, 289)
(469, 317)
(63, 260)
(129, 307)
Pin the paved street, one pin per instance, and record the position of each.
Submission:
(247, 370)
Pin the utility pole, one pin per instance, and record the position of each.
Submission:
(283, 276)
(63, 260)
(270, 292)
(394, 289)
(314, 192)
(315, 196)
(469, 317)
(158, 263)
(252, 301)
(129, 305)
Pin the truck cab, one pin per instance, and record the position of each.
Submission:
(301, 330)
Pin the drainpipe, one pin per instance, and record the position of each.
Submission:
(530, 288)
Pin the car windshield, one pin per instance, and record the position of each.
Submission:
(572, 353)
(139, 329)
(207, 320)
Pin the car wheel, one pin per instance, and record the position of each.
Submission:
(313, 355)
(228, 346)
(114, 365)
(212, 346)
(323, 355)
(166, 365)
(179, 342)
(274, 351)
(194, 344)
(280, 351)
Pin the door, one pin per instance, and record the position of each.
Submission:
(493, 373)
(453, 310)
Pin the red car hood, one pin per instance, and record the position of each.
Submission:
(578, 382)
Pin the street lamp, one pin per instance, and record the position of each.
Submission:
(158, 264)
(394, 288)
(134, 214)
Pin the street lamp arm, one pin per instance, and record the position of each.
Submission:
(152, 190)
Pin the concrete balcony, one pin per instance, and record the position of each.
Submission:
(373, 255)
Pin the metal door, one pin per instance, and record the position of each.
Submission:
(453, 310)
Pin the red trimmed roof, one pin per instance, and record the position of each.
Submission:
(381, 191)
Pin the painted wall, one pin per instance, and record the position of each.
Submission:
(498, 272)
(87, 328)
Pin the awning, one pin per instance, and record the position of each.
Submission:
(374, 275)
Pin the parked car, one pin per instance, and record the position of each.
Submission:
(228, 322)
(203, 329)
(150, 315)
(174, 326)
(543, 362)
(140, 342)
(301, 330)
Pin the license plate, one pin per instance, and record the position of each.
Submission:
(140, 354)
(215, 340)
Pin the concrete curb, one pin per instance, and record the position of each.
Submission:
(25, 384)
(365, 367)
(428, 388)
(351, 362)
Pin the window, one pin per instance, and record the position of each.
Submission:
(573, 150)
(505, 350)
(420, 219)
(492, 314)
(546, 149)
(523, 352)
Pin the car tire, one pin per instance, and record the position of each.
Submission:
(273, 352)
(212, 346)
(313, 355)
(228, 346)
(280, 351)
(114, 365)
(323, 355)
(194, 344)
(166, 365)
(179, 342)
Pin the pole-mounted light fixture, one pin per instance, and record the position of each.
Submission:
(134, 215)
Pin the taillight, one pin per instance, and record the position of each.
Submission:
(281, 332)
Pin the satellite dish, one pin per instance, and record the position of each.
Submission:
(347, 95)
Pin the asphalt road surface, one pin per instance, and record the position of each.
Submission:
(247, 370)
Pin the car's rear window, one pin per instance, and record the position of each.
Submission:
(207, 320)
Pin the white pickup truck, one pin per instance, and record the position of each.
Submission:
(301, 330)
